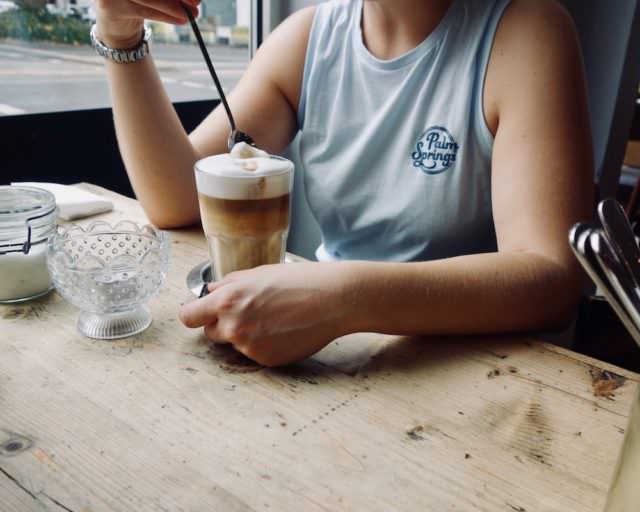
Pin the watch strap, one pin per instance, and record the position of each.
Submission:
(120, 55)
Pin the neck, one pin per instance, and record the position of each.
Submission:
(393, 27)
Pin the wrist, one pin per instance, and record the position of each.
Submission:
(121, 55)
(122, 40)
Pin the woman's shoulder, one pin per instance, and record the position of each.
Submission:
(536, 51)
(280, 59)
(299, 22)
(326, 17)
(536, 21)
(536, 37)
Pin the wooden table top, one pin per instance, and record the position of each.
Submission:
(166, 421)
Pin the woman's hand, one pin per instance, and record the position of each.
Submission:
(120, 21)
(277, 314)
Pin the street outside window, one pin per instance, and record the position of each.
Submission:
(48, 65)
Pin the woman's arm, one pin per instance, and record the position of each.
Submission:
(157, 152)
(542, 183)
(542, 179)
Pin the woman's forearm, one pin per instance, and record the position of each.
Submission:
(154, 146)
(473, 294)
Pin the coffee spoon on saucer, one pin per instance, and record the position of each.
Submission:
(236, 135)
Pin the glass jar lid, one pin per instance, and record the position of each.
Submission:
(17, 204)
(26, 216)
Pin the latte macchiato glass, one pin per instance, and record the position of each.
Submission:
(245, 203)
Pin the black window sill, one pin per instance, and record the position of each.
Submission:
(68, 147)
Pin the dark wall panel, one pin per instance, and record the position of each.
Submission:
(68, 147)
(608, 32)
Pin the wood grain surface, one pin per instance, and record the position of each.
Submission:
(165, 421)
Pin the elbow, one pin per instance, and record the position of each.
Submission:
(560, 301)
(168, 220)
(169, 211)
(560, 317)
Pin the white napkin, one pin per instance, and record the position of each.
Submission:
(73, 203)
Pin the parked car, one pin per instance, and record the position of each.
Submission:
(87, 13)
(84, 13)
(7, 5)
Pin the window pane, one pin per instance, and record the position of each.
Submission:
(47, 65)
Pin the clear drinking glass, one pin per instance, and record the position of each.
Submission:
(246, 216)
(624, 493)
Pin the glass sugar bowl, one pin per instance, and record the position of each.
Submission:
(27, 219)
(109, 273)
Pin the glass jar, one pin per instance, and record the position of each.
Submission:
(27, 219)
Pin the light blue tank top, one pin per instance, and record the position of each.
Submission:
(396, 154)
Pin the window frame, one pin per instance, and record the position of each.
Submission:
(70, 146)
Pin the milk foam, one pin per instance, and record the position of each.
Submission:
(245, 173)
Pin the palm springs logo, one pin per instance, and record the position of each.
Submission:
(436, 151)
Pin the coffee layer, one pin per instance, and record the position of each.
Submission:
(244, 233)
(244, 217)
(229, 254)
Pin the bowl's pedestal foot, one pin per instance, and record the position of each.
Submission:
(111, 326)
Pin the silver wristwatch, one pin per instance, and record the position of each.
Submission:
(122, 56)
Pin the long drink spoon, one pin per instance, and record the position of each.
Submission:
(620, 235)
(579, 242)
(617, 275)
(236, 135)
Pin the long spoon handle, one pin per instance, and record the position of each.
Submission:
(207, 59)
(617, 227)
(617, 275)
(579, 241)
